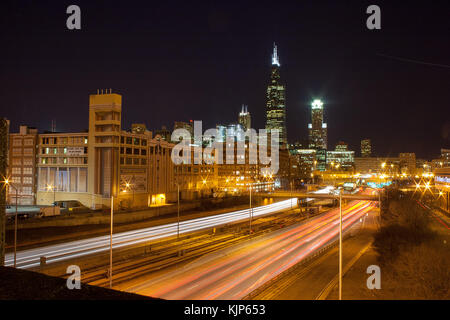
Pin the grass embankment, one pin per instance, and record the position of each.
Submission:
(413, 256)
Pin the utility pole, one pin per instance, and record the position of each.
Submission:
(178, 211)
(340, 245)
(110, 242)
(251, 211)
(4, 131)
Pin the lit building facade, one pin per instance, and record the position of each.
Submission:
(303, 162)
(317, 128)
(132, 166)
(342, 160)
(407, 162)
(276, 101)
(22, 166)
(62, 168)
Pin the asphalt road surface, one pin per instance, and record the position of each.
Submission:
(234, 272)
(80, 248)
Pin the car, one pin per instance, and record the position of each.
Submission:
(71, 206)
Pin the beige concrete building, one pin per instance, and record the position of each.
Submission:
(131, 166)
(62, 167)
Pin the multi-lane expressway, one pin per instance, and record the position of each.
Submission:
(75, 249)
(234, 272)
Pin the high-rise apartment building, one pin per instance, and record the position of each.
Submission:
(407, 163)
(244, 118)
(22, 166)
(276, 101)
(366, 148)
(317, 128)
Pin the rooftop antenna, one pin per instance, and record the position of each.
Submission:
(275, 60)
(53, 125)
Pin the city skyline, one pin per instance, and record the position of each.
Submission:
(255, 150)
(215, 77)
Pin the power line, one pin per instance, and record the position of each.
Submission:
(414, 61)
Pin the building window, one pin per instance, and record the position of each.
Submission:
(55, 150)
(144, 152)
(136, 161)
(65, 150)
(143, 162)
(122, 139)
(136, 141)
(121, 150)
(85, 140)
(27, 180)
(129, 140)
(128, 160)
(16, 170)
(27, 170)
(144, 142)
(136, 151)
(122, 160)
(129, 151)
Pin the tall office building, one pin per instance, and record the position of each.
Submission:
(317, 128)
(244, 118)
(407, 162)
(366, 148)
(275, 107)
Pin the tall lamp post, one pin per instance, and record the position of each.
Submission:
(178, 210)
(15, 220)
(110, 242)
(251, 210)
(340, 244)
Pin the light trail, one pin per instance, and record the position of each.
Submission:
(235, 272)
(74, 249)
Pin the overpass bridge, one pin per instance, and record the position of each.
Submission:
(298, 194)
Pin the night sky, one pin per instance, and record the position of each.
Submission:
(177, 61)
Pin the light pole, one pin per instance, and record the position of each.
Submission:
(110, 242)
(291, 195)
(178, 211)
(15, 221)
(340, 244)
(251, 210)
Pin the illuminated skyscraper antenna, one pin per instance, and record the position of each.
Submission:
(275, 60)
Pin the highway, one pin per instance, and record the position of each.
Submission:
(234, 272)
(75, 249)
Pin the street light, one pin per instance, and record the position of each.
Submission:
(340, 244)
(178, 210)
(7, 183)
(251, 210)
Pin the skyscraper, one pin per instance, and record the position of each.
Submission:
(244, 118)
(275, 107)
(366, 148)
(317, 129)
